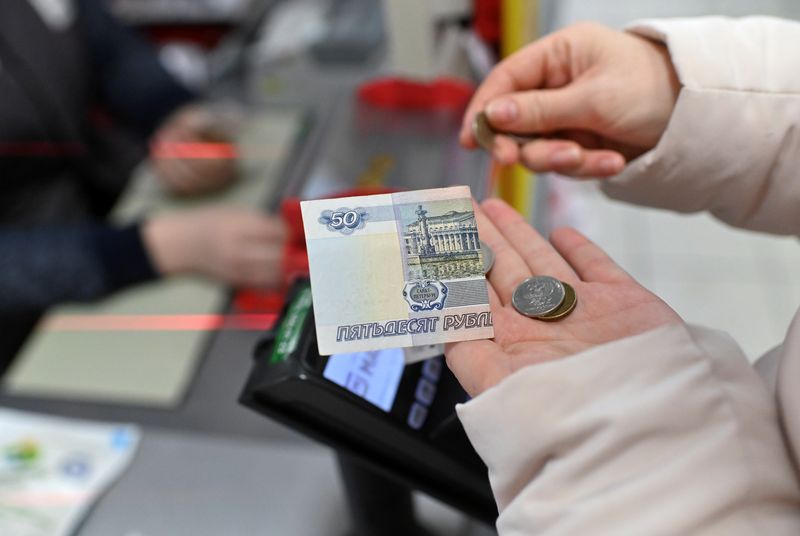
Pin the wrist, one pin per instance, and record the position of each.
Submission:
(669, 75)
(167, 244)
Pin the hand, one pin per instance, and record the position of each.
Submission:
(235, 246)
(611, 305)
(208, 165)
(600, 96)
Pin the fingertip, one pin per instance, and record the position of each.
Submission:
(503, 157)
(611, 164)
(466, 140)
(605, 164)
(568, 157)
(505, 151)
(595, 164)
(495, 205)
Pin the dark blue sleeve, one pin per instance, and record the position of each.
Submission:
(128, 75)
(47, 266)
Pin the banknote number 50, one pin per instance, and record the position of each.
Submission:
(345, 220)
(349, 219)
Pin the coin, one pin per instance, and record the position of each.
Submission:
(538, 296)
(570, 300)
(488, 257)
(482, 131)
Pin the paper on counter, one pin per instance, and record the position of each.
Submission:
(52, 470)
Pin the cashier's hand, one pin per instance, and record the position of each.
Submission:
(611, 305)
(193, 152)
(600, 96)
(234, 246)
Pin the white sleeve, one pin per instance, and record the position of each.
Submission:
(732, 145)
(668, 432)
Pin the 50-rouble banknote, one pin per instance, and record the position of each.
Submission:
(396, 270)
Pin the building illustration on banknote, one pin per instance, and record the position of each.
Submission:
(441, 244)
(444, 246)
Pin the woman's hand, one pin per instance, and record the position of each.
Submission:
(235, 246)
(598, 95)
(611, 305)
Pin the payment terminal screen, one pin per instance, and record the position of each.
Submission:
(374, 376)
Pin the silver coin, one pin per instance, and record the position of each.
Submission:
(488, 257)
(538, 296)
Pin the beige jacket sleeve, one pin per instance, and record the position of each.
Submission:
(669, 432)
(733, 143)
(672, 432)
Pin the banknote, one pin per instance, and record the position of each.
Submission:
(396, 270)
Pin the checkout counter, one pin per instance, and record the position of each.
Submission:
(210, 466)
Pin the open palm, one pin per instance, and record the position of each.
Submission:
(611, 304)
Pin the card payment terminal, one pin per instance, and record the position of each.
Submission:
(398, 420)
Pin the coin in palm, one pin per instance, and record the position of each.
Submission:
(570, 300)
(538, 296)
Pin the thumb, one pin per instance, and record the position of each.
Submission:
(543, 110)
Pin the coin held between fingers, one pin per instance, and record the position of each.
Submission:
(484, 133)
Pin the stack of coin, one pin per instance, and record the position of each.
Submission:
(544, 298)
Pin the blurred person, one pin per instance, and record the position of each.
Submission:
(621, 418)
(81, 97)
